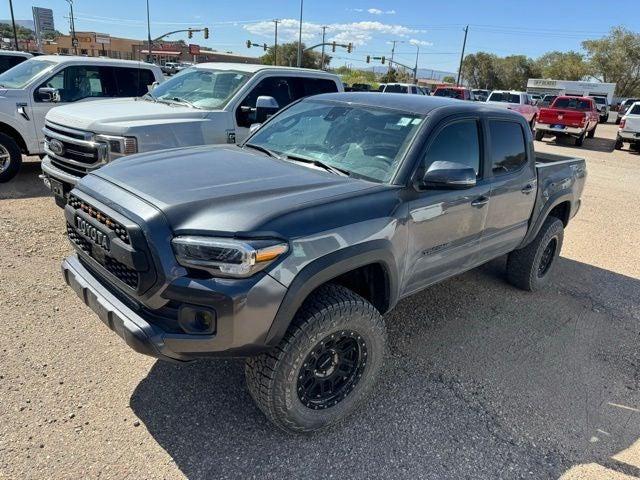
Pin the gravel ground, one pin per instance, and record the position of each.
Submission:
(484, 381)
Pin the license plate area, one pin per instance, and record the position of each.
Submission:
(57, 188)
(558, 127)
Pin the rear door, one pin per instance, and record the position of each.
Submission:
(445, 225)
(513, 186)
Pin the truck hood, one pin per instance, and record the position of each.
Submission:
(224, 188)
(122, 116)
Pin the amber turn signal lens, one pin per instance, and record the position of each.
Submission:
(270, 253)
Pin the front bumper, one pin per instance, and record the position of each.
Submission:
(240, 330)
(550, 129)
(67, 181)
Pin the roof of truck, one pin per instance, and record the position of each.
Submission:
(94, 60)
(418, 104)
(253, 68)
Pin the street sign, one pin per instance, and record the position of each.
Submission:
(75, 42)
(194, 49)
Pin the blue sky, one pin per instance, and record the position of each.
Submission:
(529, 27)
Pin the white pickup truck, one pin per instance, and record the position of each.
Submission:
(32, 88)
(520, 102)
(629, 128)
(209, 103)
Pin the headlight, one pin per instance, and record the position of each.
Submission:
(227, 257)
(119, 146)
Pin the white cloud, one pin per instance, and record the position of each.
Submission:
(377, 11)
(359, 33)
(422, 43)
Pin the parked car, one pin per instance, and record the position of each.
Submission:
(290, 248)
(170, 68)
(520, 102)
(206, 104)
(459, 93)
(624, 106)
(403, 88)
(32, 88)
(9, 59)
(602, 105)
(536, 97)
(480, 95)
(546, 101)
(576, 117)
(629, 129)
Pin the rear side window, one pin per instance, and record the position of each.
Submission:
(635, 110)
(458, 142)
(508, 147)
(316, 86)
(132, 82)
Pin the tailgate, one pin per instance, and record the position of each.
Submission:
(632, 124)
(561, 117)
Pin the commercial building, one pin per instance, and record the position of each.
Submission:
(93, 44)
(570, 87)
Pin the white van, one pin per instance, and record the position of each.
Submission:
(32, 88)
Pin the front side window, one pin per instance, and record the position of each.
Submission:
(80, 81)
(367, 142)
(316, 86)
(458, 142)
(282, 89)
(508, 147)
(24, 73)
(200, 88)
(132, 82)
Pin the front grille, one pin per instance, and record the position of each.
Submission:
(77, 149)
(126, 275)
(104, 219)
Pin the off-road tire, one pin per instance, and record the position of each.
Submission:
(272, 377)
(592, 133)
(579, 140)
(15, 158)
(523, 265)
(619, 143)
(539, 135)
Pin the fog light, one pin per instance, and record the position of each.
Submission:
(197, 320)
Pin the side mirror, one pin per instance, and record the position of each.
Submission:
(152, 86)
(265, 107)
(449, 175)
(48, 94)
(254, 127)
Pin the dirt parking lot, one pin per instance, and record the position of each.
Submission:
(484, 381)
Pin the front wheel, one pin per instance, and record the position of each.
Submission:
(532, 124)
(327, 363)
(10, 158)
(539, 135)
(529, 268)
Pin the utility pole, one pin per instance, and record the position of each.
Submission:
(148, 34)
(324, 28)
(13, 22)
(464, 44)
(415, 70)
(300, 37)
(275, 44)
(393, 49)
(72, 25)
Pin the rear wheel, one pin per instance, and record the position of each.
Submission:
(529, 268)
(539, 135)
(592, 132)
(619, 143)
(580, 140)
(532, 124)
(326, 364)
(10, 158)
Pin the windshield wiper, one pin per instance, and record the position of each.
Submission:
(148, 95)
(262, 149)
(319, 163)
(182, 101)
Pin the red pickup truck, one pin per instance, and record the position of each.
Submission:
(568, 116)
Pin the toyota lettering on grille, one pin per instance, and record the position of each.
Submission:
(92, 233)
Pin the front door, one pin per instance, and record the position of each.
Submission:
(445, 225)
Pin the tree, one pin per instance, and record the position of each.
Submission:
(449, 79)
(6, 31)
(563, 65)
(480, 70)
(515, 70)
(51, 34)
(288, 56)
(616, 58)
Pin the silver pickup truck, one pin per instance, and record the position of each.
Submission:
(288, 249)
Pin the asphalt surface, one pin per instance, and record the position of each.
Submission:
(483, 380)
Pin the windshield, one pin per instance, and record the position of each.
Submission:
(367, 142)
(396, 89)
(24, 73)
(572, 103)
(600, 100)
(448, 92)
(201, 88)
(504, 97)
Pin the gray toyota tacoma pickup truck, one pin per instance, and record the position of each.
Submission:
(290, 248)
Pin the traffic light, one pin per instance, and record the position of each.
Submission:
(190, 34)
(368, 58)
(264, 46)
(349, 47)
(382, 60)
(206, 32)
(333, 47)
(248, 43)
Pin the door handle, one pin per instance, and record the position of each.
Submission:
(480, 201)
(527, 189)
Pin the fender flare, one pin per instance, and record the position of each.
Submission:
(549, 205)
(328, 267)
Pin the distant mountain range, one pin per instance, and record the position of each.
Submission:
(422, 72)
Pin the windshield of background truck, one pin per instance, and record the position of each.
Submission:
(504, 97)
(572, 104)
(396, 89)
(24, 73)
(600, 100)
(368, 142)
(448, 92)
(208, 89)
